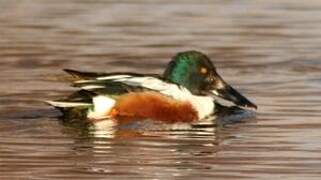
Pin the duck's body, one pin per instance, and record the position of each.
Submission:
(185, 93)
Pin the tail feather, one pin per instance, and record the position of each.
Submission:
(62, 104)
(82, 75)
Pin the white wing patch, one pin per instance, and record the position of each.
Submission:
(113, 77)
(156, 84)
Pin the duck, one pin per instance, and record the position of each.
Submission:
(189, 90)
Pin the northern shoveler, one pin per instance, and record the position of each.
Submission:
(188, 91)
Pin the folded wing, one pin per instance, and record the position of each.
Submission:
(127, 82)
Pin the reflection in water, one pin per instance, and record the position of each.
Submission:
(148, 153)
(269, 50)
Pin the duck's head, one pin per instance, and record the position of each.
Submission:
(196, 72)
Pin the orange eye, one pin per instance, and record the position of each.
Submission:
(203, 70)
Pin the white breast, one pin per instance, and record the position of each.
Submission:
(203, 105)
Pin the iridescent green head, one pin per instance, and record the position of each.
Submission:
(195, 71)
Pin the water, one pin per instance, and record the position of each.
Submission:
(269, 50)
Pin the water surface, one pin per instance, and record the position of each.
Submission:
(269, 50)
